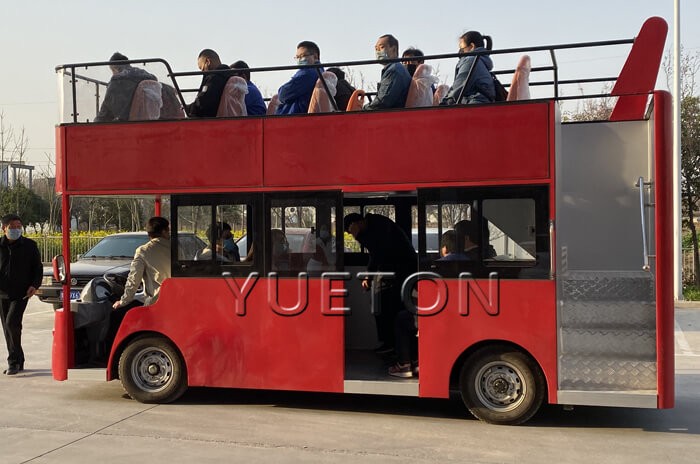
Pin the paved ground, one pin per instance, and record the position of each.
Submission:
(43, 421)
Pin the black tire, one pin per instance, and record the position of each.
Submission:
(152, 371)
(57, 306)
(501, 385)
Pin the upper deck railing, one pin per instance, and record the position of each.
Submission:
(83, 84)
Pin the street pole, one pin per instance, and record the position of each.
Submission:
(677, 223)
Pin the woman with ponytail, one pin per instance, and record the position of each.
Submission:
(479, 88)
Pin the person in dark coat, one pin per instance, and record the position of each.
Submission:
(120, 90)
(343, 89)
(206, 104)
(390, 250)
(21, 272)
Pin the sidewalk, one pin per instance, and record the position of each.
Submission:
(687, 304)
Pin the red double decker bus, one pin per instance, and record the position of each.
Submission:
(572, 305)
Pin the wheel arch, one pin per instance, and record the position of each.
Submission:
(457, 365)
(113, 367)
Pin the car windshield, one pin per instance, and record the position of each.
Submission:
(117, 246)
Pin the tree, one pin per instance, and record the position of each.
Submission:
(18, 199)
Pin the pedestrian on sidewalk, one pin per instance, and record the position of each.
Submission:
(21, 272)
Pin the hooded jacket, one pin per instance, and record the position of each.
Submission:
(120, 93)
(20, 267)
(480, 87)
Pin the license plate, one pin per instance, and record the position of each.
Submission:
(74, 295)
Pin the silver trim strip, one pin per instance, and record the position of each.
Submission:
(624, 399)
(640, 183)
(379, 387)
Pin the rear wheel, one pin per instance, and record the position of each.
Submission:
(501, 385)
(152, 371)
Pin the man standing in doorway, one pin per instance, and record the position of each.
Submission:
(20, 276)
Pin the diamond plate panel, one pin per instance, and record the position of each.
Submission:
(607, 314)
(610, 344)
(607, 286)
(594, 374)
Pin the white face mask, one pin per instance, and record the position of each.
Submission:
(381, 55)
(13, 234)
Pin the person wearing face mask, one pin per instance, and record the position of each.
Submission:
(20, 276)
(206, 103)
(295, 95)
(392, 90)
(411, 65)
(480, 87)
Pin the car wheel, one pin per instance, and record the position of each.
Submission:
(152, 371)
(501, 385)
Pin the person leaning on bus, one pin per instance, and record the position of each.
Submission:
(392, 90)
(206, 103)
(151, 264)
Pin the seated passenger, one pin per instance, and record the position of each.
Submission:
(116, 105)
(253, 100)
(343, 90)
(411, 65)
(480, 88)
(392, 90)
(469, 238)
(216, 234)
(280, 250)
(206, 104)
(295, 95)
(448, 247)
(230, 249)
(323, 249)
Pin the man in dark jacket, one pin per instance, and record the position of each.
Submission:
(393, 88)
(390, 250)
(206, 104)
(120, 90)
(20, 276)
(343, 90)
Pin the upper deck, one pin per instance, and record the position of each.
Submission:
(511, 142)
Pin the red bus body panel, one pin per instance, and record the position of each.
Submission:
(310, 151)
(524, 316)
(261, 349)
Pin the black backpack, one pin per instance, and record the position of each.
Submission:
(501, 92)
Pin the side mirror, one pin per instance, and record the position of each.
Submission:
(59, 269)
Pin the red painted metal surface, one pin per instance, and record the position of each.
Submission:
(261, 349)
(663, 221)
(638, 76)
(162, 157)
(62, 348)
(526, 318)
(497, 143)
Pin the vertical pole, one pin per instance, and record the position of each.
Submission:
(62, 350)
(677, 210)
(156, 206)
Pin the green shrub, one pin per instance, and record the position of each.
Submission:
(691, 293)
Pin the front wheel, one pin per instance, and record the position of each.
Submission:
(501, 385)
(152, 371)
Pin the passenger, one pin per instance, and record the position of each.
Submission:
(222, 236)
(480, 88)
(390, 250)
(343, 90)
(254, 102)
(448, 247)
(295, 95)
(120, 90)
(411, 65)
(392, 90)
(323, 257)
(206, 104)
(280, 250)
(230, 249)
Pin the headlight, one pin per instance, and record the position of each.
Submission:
(46, 280)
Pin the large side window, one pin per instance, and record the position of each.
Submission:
(302, 233)
(216, 234)
(484, 230)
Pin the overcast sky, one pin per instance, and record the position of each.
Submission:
(37, 35)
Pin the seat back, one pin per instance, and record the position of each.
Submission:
(440, 93)
(520, 86)
(420, 91)
(232, 101)
(172, 108)
(273, 104)
(320, 101)
(146, 102)
(357, 101)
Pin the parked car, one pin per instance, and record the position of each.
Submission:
(112, 254)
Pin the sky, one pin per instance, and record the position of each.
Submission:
(38, 35)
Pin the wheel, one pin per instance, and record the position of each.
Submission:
(501, 385)
(152, 371)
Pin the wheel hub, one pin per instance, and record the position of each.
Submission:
(152, 369)
(499, 386)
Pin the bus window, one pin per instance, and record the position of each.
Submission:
(192, 220)
(302, 235)
(511, 228)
